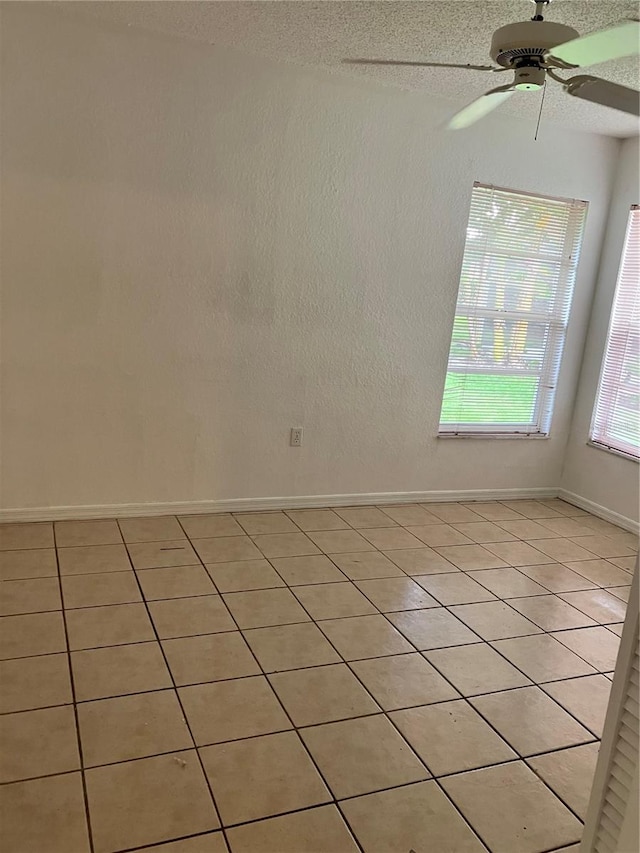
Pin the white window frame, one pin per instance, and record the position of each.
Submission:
(623, 322)
(556, 322)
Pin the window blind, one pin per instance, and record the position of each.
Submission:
(616, 417)
(516, 284)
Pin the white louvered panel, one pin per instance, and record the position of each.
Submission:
(612, 818)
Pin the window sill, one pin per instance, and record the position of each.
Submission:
(613, 451)
(493, 435)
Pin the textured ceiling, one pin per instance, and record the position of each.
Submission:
(320, 35)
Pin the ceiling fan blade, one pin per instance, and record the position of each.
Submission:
(605, 93)
(613, 43)
(481, 107)
(418, 64)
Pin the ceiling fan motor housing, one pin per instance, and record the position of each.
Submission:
(528, 39)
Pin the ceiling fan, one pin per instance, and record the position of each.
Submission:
(537, 49)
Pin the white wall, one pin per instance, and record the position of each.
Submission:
(594, 474)
(202, 249)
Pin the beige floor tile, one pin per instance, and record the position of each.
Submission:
(436, 535)
(244, 575)
(265, 607)
(365, 516)
(331, 601)
(493, 510)
(597, 646)
(414, 817)
(482, 531)
(112, 625)
(314, 831)
(148, 801)
(403, 681)
(532, 509)
(226, 549)
(186, 617)
(21, 565)
(340, 541)
(598, 604)
(517, 553)
(362, 755)
(209, 526)
(175, 582)
(70, 533)
(606, 546)
(508, 583)
(565, 508)
(230, 710)
(100, 589)
(556, 577)
(255, 523)
(494, 620)
(322, 694)
(131, 727)
(262, 777)
(33, 634)
(297, 571)
(286, 545)
(44, 814)
(627, 563)
(432, 629)
(470, 557)
(409, 514)
(15, 537)
(114, 671)
(550, 612)
(361, 637)
(210, 842)
(451, 737)
(390, 594)
(317, 519)
(36, 682)
(527, 529)
(211, 657)
(476, 669)
(157, 555)
(586, 698)
(290, 647)
(38, 743)
(29, 596)
(455, 588)
(617, 629)
(600, 526)
(367, 564)
(569, 773)
(391, 538)
(566, 526)
(599, 572)
(562, 550)
(543, 658)
(453, 513)
(530, 721)
(421, 561)
(156, 529)
(621, 592)
(512, 810)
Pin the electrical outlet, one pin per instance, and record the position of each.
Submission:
(296, 437)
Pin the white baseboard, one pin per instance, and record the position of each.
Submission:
(59, 513)
(599, 510)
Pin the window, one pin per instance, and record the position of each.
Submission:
(518, 271)
(616, 417)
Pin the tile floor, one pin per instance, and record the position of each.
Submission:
(383, 679)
